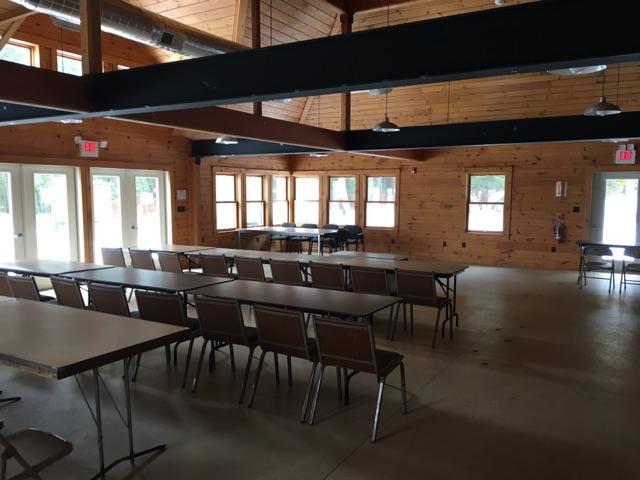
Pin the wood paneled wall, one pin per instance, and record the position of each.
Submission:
(433, 206)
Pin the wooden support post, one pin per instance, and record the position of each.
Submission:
(255, 41)
(346, 24)
(90, 36)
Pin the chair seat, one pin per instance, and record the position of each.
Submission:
(440, 302)
(594, 266)
(632, 267)
(47, 298)
(279, 237)
(39, 448)
(387, 361)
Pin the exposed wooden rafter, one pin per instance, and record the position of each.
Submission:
(90, 36)
(14, 14)
(240, 20)
(356, 6)
(13, 28)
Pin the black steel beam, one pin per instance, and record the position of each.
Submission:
(531, 37)
(16, 114)
(502, 132)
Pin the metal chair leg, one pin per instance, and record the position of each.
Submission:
(289, 370)
(339, 382)
(411, 321)
(404, 317)
(256, 379)
(376, 418)
(175, 354)
(317, 394)
(167, 351)
(247, 369)
(392, 324)
(403, 387)
(305, 405)
(135, 372)
(435, 332)
(186, 366)
(212, 357)
(276, 367)
(194, 384)
(347, 379)
(232, 358)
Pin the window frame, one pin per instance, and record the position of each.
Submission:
(263, 202)
(33, 50)
(287, 201)
(68, 55)
(236, 200)
(506, 211)
(365, 199)
(355, 201)
(294, 187)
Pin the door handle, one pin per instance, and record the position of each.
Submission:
(133, 227)
(18, 235)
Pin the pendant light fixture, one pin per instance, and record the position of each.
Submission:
(226, 140)
(386, 126)
(603, 108)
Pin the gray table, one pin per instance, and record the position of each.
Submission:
(170, 248)
(306, 299)
(379, 256)
(48, 268)
(292, 232)
(263, 254)
(58, 342)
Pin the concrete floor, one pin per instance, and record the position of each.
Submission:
(540, 382)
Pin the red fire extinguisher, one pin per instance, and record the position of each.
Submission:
(559, 228)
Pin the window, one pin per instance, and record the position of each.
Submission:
(486, 203)
(381, 202)
(17, 53)
(226, 203)
(255, 201)
(279, 200)
(307, 200)
(69, 63)
(342, 200)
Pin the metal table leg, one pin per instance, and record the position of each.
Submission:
(319, 244)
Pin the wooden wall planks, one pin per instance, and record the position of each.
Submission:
(432, 202)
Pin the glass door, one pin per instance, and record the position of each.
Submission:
(50, 218)
(128, 209)
(11, 230)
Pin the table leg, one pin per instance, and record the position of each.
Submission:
(127, 393)
(98, 418)
(319, 244)
(454, 301)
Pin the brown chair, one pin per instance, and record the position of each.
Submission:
(249, 269)
(5, 289)
(286, 272)
(351, 345)
(168, 308)
(373, 281)
(109, 299)
(221, 323)
(142, 259)
(67, 292)
(630, 264)
(419, 288)
(170, 262)
(25, 287)
(215, 265)
(33, 450)
(327, 275)
(284, 332)
(113, 257)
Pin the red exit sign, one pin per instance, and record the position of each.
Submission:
(626, 155)
(89, 148)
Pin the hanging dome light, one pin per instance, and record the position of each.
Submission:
(602, 108)
(226, 140)
(379, 91)
(319, 154)
(386, 126)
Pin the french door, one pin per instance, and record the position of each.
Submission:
(128, 208)
(615, 212)
(38, 215)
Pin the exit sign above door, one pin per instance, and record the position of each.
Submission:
(626, 155)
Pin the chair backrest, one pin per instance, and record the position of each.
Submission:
(113, 257)
(214, 265)
(169, 262)
(341, 237)
(354, 230)
(249, 269)
(5, 289)
(326, 275)
(369, 280)
(142, 259)
(109, 299)
(282, 331)
(67, 292)
(331, 226)
(309, 225)
(632, 252)
(416, 287)
(161, 307)
(345, 344)
(221, 319)
(286, 272)
(597, 251)
(24, 287)
(288, 224)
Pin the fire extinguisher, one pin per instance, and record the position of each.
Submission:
(559, 229)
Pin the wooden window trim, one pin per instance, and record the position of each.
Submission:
(355, 202)
(236, 175)
(287, 199)
(265, 220)
(33, 50)
(380, 173)
(507, 171)
(321, 180)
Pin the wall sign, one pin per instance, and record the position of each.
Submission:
(626, 155)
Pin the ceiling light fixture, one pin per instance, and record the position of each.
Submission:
(71, 121)
(278, 100)
(379, 91)
(226, 140)
(572, 71)
(386, 126)
(603, 108)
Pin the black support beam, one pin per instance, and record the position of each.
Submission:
(532, 37)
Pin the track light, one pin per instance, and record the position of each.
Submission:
(226, 140)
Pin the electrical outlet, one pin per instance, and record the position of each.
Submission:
(464, 244)
(553, 249)
(444, 244)
(576, 209)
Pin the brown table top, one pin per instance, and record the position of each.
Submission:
(291, 231)
(48, 268)
(148, 279)
(439, 269)
(171, 248)
(306, 299)
(264, 254)
(57, 342)
(381, 256)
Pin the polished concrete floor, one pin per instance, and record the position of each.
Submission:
(542, 381)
